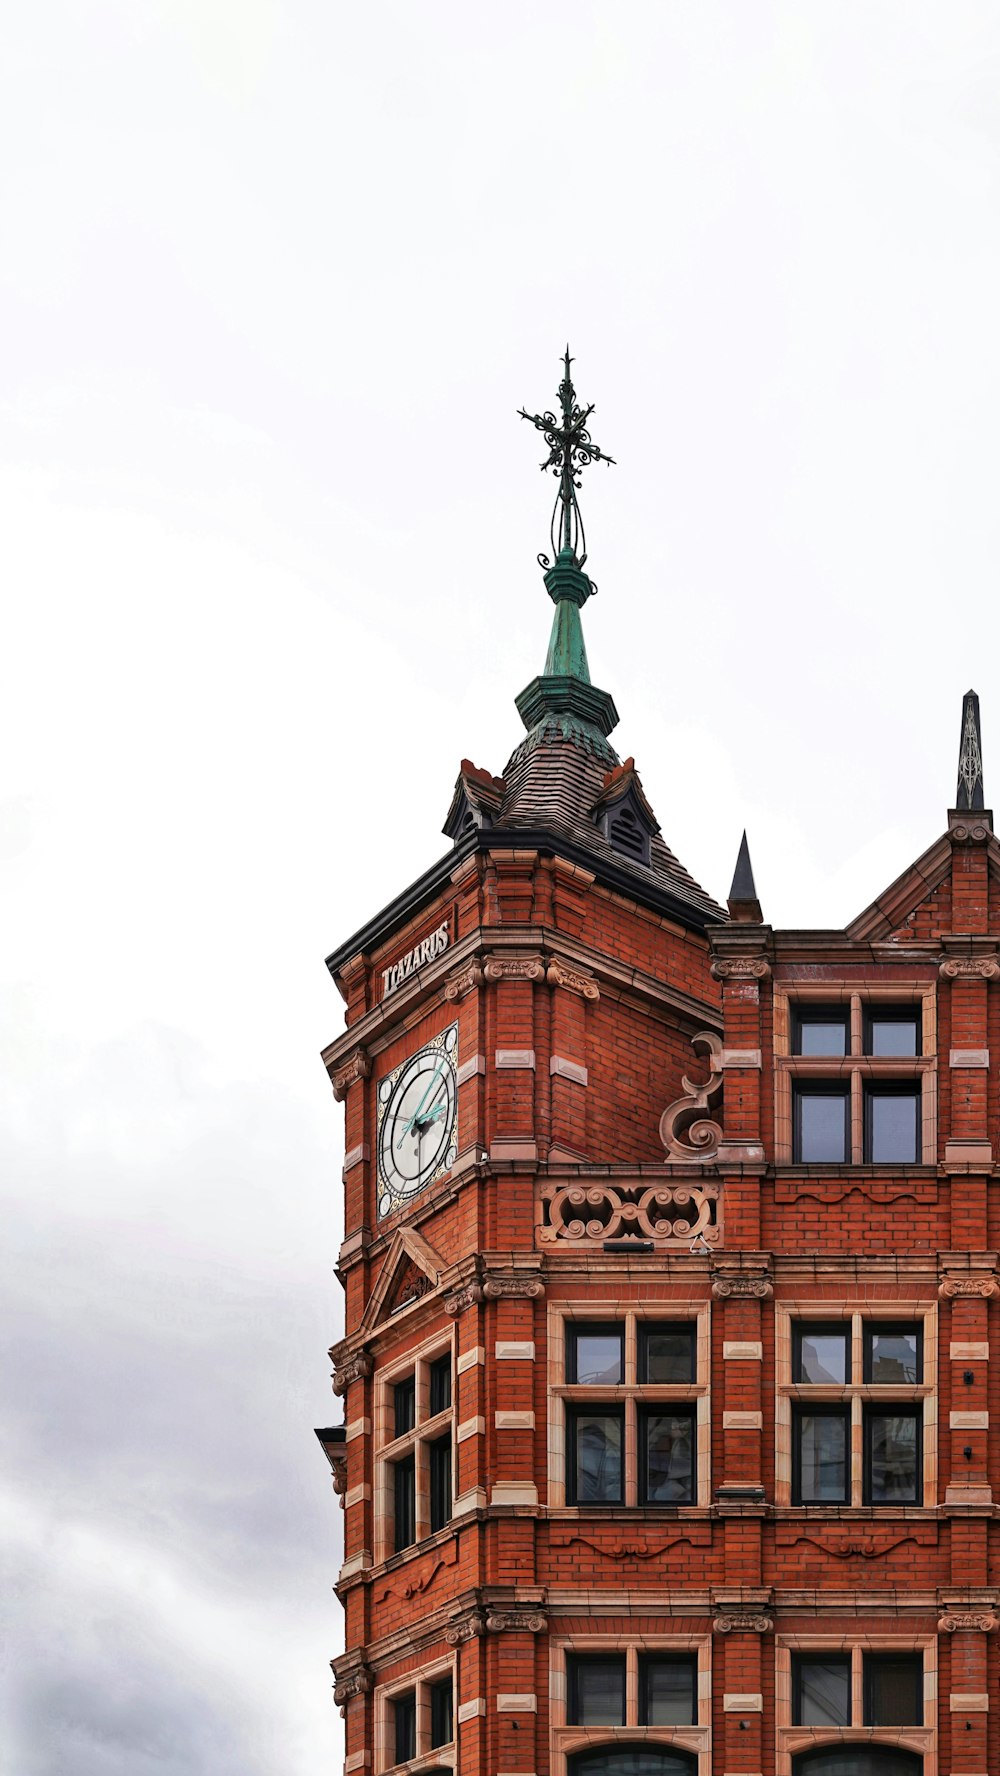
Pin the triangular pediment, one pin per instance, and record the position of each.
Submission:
(890, 911)
(412, 1268)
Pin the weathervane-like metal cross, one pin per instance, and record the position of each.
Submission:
(571, 448)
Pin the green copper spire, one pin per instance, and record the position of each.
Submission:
(563, 704)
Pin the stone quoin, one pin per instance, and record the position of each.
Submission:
(672, 1277)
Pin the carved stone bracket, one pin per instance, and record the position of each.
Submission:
(962, 967)
(358, 1067)
(348, 1684)
(356, 1368)
(469, 1296)
(470, 1625)
(559, 974)
(975, 1622)
(957, 1287)
(689, 1137)
(464, 981)
(757, 1288)
(504, 1286)
(339, 1465)
(740, 968)
(530, 968)
(515, 1621)
(742, 1622)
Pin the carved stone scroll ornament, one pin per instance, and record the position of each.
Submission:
(689, 1137)
(358, 1067)
(957, 1287)
(457, 1303)
(559, 974)
(470, 1625)
(664, 1213)
(356, 1368)
(976, 1622)
(530, 968)
(465, 981)
(348, 1684)
(739, 1622)
(339, 1465)
(969, 835)
(497, 1287)
(515, 1621)
(740, 968)
(982, 967)
(755, 1288)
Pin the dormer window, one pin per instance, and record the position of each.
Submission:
(627, 833)
(624, 816)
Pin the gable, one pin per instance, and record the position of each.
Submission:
(411, 1270)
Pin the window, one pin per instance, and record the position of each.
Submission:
(414, 1464)
(413, 1722)
(632, 1760)
(857, 1760)
(640, 1697)
(668, 1691)
(855, 1420)
(855, 1077)
(821, 1690)
(596, 1691)
(628, 1411)
(893, 1690)
(867, 1703)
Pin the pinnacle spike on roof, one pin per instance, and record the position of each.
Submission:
(743, 902)
(970, 756)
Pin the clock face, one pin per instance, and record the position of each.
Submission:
(416, 1121)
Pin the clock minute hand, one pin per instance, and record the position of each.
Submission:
(419, 1110)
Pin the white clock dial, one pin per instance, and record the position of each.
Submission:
(416, 1121)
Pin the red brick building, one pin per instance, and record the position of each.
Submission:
(670, 1260)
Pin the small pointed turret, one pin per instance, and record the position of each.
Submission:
(744, 907)
(970, 756)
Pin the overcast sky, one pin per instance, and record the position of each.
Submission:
(274, 279)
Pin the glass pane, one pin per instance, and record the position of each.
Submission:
(597, 1692)
(440, 1476)
(632, 1760)
(821, 1032)
(893, 1355)
(404, 1397)
(892, 1127)
(667, 1692)
(442, 1714)
(821, 1119)
(440, 1389)
(894, 1684)
(405, 1719)
(822, 1456)
(893, 1466)
(666, 1354)
(821, 1692)
(597, 1475)
(404, 1503)
(857, 1760)
(668, 1449)
(597, 1356)
(893, 1035)
(821, 1355)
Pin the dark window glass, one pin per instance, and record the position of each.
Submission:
(894, 1690)
(596, 1691)
(442, 1713)
(594, 1466)
(820, 1122)
(440, 1389)
(857, 1760)
(405, 1500)
(667, 1692)
(821, 1354)
(893, 1355)
(404, 1710)
(595, 1356)
(821, 1030)
(820, 1447)
(892, 1124)
(404, 1401)
(892, 1456)
(439, 1453)
(666, 1457)
(892, 1030)
(666, 1353)
(632, 1760)
(821, 1690)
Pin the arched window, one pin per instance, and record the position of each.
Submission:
(857, 1760)
(633, 1760)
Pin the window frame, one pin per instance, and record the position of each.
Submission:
(872, 1091)
(575, 1662)
(857, 1396)
(427, 1429)
(630, 1396)
(819, 1088)
(422, 1682)
(566, 1738)
(790, 1740)
(836, 1013)
(861, 999)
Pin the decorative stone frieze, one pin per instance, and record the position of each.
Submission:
(468, 1296)
(575, 980)
(742, 1622)
(464, 980)
(740, 968)
(967, 1622)
(530, 968)
(358, 1067)
(689, 1137)
(356, 1368)
(964, 967)
(669, 1214)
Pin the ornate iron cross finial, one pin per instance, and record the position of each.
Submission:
(571, 448)
(970, 756)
